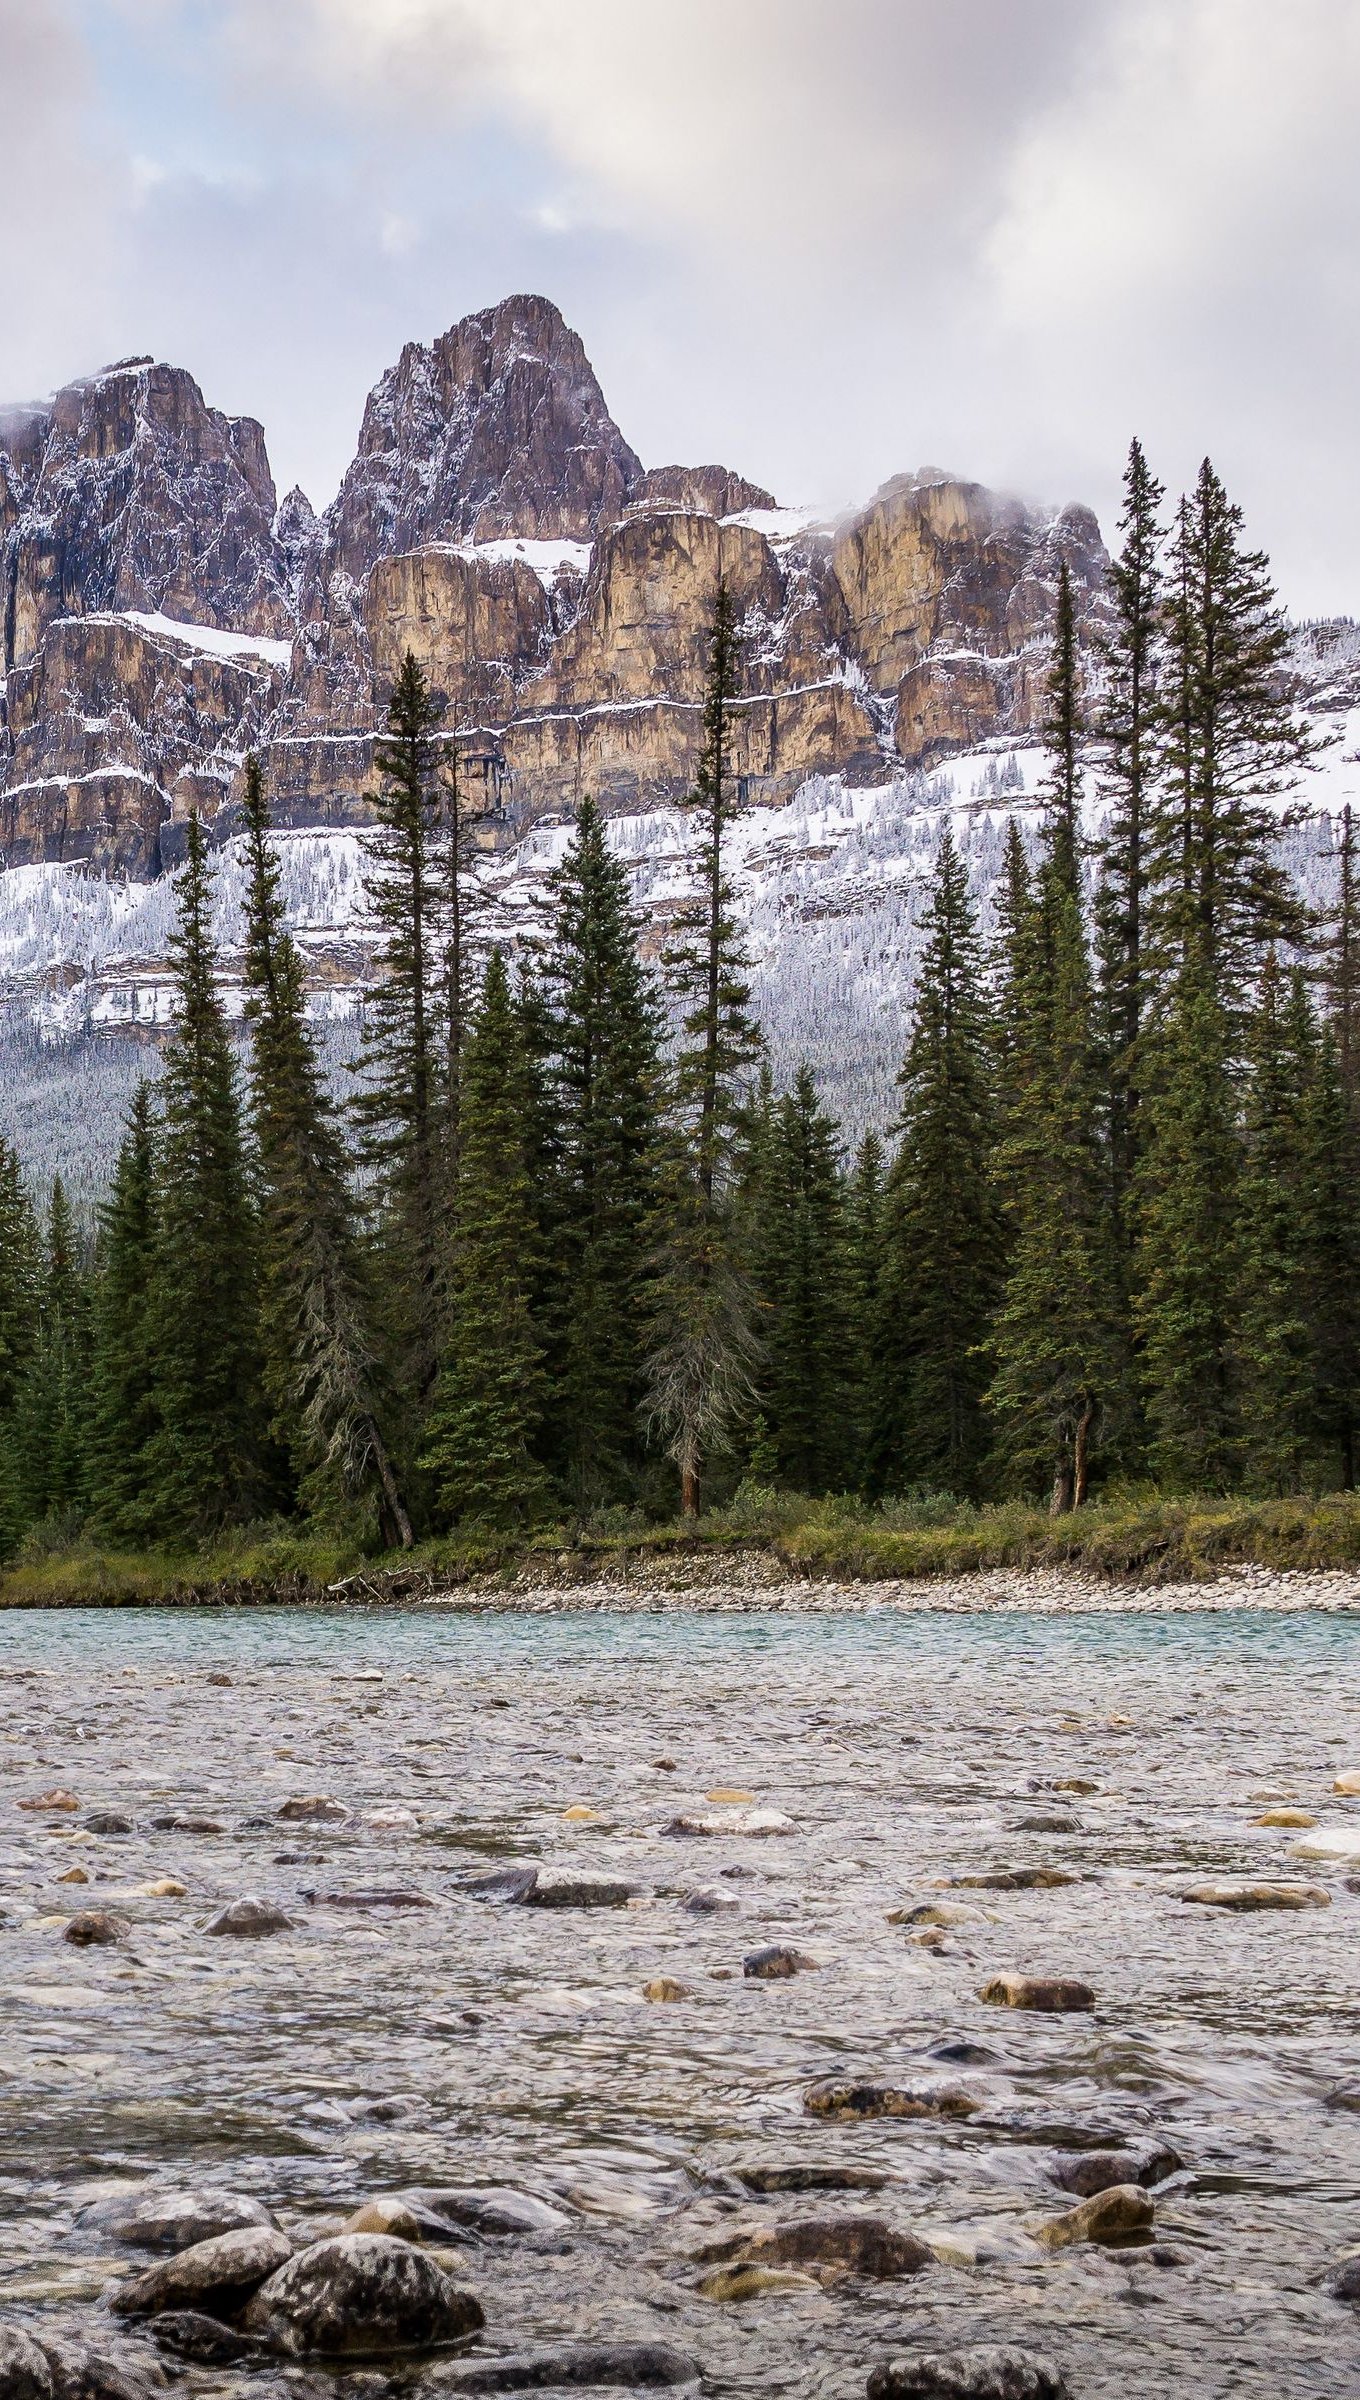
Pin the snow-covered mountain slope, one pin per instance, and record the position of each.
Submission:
(831, 888)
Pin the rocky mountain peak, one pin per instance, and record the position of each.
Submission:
(137, 495)
(497, 429)
(703, 491)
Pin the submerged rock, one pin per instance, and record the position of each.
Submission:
(1087, 2172)
(811, 2178)
(1016, 1879)
(1252, 1896)
(867, 2246)
(1344, 2281)
(174, 2220)
(94, 1927)
(574, 1891)
(178, 1823)
(204, 2341)
(753, 2283)
(665, 1987)
(974, 2374)
(359, 2295)
(25, 2371)
(81, 2374)
(214, 2277)
(1112, 2215)
(776, 1962)
(493, 2209)
(56, 1803)
(708, 1903)
(108, 1820)
(509, 1885)
(249, 1919)
(312, 1808)
(599, 2366)
(1051, 1993)
(849, 2097)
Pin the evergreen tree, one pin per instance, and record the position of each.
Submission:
(209, 1453)
(125, 1417)
(943, 1241)
(1342, 964)
(1330, 1177)
(1186, 1270)
(54, 1397)
(865, 1260)
(488, 1402)
(1129, 745)
(20, 1290)
(316, 1307)
(402, 1102)
(460, 908)
(606, 1027)
(798, 1244)
(1233, 748)
(1064, 734)
(703, 1339)
(1274, 1351)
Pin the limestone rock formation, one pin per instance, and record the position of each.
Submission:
(162, 617)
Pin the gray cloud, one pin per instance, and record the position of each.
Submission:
(825, 239)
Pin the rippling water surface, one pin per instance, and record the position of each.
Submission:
(512, 2046)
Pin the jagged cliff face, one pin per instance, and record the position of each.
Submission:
(495, 522)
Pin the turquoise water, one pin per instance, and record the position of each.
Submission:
(514, 2047)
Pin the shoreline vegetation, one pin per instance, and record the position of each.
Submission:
(765, 1539)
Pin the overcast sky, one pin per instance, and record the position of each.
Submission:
(820, 240)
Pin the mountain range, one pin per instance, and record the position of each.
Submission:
(164, 614)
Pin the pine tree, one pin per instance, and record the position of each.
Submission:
(1342, 963)
(488, 1402)
(209, 1454)
(865, 1259)
(703, 1341)
(54, 1397)
(460, 907)
(1128, 732)
(1233, 749)
(1064, 734)
(402, 1101)
(1330, 1178)
(1186, 1270)
(125, 1417)
(20, 1291)
(1272, 1334)
(316, 1307)
(943, 1237)
(606, 1031)
(798, 1244)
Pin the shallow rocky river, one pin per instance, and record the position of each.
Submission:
(603, 2167)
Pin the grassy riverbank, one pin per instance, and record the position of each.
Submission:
(1140, 1539)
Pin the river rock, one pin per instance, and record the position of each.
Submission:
(1289, 1820)
(867, 2246)
(599, 2366)
(180, 1823)
(249, 1919)
(74, 1875)
(1344, 2281)
(1016, 1879)
(1047, 1824)
(1248, 1897)
(402, 2214)
(973, 2374)
(204, 2341)
(492, 2209)
(109, 1821)
(510, 1886)
(213, 2277)
(941, 1913)
(175, 2220)
(360, 2295)
(312, 1808)
(572, 1891)
(1051, 1993)
(1345, 2094)
(845, 2098)
(56, 1803)
(1347, 1783)
(84, 2374)
(25, 2372)
(809, 2177)
(753, 2283)
(95, 1926)
(708, 1903)
(1110, 2216)
(665, 1987)
(1086, 2172)
(776, 1962)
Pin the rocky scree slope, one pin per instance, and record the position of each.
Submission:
(162, 615)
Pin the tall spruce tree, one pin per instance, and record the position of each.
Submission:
(1272, 1330)
(210, 1452)
(703, 1339)
(1341, 963)
(20, 1289)
(1064, 735)
(1330, 1179)
(799, 1256)
(1128, 730)
(865, 1255)
(1233, 750)
(316, 1305)
(943, 1237)
(54, 1399)
(487, 1408)
(125, 1416)
(1186, 1269)
(606, 1037)
(401, 1105)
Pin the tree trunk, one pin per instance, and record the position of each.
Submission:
(1063, 1485)
(1080, 1455)
(391, 1493)
(689, 1491)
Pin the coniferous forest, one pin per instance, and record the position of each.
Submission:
(561, 1249)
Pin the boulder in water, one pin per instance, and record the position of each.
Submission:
(1049, 1993)
(361, 2295)
(213, 2277)
(973, 2374)
(174, 2220)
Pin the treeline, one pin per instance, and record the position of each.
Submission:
(566, 1249)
